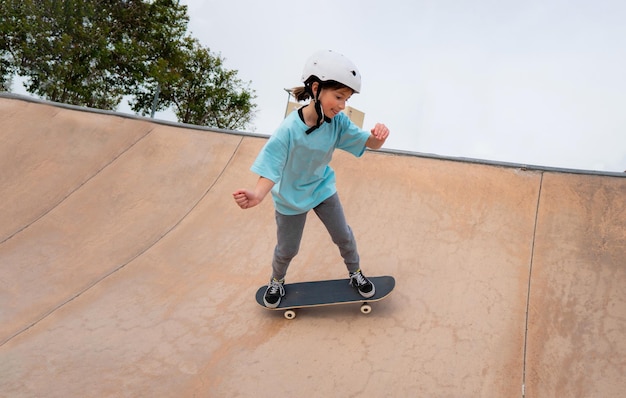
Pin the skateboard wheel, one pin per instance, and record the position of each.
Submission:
(366, 308)
(290, 314)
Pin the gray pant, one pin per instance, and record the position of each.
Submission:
(289, 233)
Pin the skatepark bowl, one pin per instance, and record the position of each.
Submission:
(127, 270)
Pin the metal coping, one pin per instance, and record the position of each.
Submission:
(395, 152)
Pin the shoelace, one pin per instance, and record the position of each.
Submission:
(360, 279)
(275, 287)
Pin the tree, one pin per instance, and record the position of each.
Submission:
(93, 52)
(89, 52)
(13, 25)
(201, 90)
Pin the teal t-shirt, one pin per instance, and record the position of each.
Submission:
(298, 163)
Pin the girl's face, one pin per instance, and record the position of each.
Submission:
(334, 100)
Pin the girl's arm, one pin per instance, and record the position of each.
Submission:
(380, 132)
(247, 199)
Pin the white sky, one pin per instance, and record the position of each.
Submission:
(538, 82)
(534, 82)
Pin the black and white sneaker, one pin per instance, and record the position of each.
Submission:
(275, 291)
(363, 285)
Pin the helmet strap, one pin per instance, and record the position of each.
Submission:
(321, 118)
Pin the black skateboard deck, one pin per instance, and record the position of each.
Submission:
(327, 292)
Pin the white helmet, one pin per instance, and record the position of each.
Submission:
(329, 65)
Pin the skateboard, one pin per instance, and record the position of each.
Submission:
(327, 292)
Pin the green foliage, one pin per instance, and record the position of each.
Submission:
(74, 51)
(93, 52)
(13, 26)
(201, 90)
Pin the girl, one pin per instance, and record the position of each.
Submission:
(294, 166)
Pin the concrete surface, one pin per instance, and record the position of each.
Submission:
(126, 270)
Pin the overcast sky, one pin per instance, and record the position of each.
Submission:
(533, 82)
(538, 82)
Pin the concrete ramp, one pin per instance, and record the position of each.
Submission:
(126, 270)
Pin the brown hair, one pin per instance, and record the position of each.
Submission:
(305, 92)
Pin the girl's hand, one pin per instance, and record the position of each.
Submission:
(245, 199)
(380, 132)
